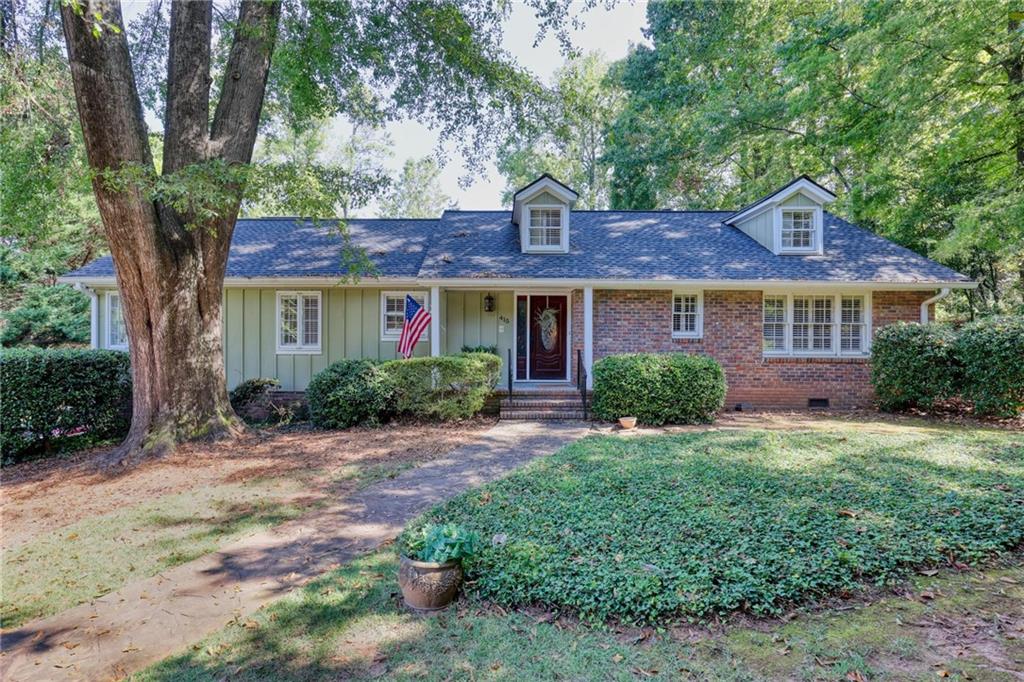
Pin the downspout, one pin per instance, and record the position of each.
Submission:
(943, 293)
(94, 318)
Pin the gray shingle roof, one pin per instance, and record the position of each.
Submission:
(611, 245)
(293, 247)
(666, 245)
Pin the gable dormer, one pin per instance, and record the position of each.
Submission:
(789, 221)
(542, 211)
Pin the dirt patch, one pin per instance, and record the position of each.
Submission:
(38, 497)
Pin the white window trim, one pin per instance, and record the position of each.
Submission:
(109, 321)
(385, 335)
(299, 348)
(698, 333)
(563, 245)
(837, 302)
(817, 236)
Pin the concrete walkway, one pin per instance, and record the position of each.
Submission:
(146, 621)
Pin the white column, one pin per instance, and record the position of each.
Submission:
(588, 333)
(435, 321)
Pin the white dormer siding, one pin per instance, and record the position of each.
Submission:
(542, 210)
(788, 222)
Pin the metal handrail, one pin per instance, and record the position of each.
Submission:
(509, 368)
(581, 380)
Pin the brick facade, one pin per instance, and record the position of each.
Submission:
(640, 321)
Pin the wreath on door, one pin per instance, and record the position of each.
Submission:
(547, 321)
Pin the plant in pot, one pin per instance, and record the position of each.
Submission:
(430, 571)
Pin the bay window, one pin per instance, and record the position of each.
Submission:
(815, 324)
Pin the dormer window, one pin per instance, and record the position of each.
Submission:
(545, 227)
(797, 230)
(541, 210)
(789, 221)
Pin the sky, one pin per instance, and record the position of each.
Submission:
(610, 31)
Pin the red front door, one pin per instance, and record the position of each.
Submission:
(549, 336)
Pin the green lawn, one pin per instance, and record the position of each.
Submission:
(777, 519)
(645, 529)
(350, 625)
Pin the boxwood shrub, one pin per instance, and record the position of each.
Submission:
(659, 388)
(991, 353)
(350, 392)
(913, 365)
(445, 387)
(63, 399)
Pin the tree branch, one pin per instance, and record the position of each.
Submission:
(237, 118)
(188, 85)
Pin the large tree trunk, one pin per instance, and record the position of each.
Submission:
(170, 275)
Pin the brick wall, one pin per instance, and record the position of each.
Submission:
(640, 321)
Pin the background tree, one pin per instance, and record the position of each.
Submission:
(569, 140)
(49, 222)
(169, 230)
(914, 113)
(297, 172)
(417, 192)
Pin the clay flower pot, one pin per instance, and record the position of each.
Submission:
(627, 423)
(428, 586)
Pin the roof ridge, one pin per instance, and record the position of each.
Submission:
(310, 219)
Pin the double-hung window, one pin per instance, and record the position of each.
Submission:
(117, 332)
(686, 315)
(798, 230)
(298, 321)
(392, 308)
(805, 324)
(545, 230)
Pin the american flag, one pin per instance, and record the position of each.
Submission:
(416, 320)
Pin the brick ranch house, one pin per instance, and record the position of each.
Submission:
(785, 295)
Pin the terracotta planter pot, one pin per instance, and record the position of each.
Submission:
(627, 422)
(428, 586)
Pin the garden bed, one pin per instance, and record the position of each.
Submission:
(692, 525)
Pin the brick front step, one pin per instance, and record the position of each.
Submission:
(515, 402)
(541, 414)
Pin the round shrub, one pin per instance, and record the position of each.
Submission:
(913, 365)
(63, 399)
(350, 392)
(991, 352)
(445, 387)
(659, 388)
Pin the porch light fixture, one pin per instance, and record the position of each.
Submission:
(488, 303)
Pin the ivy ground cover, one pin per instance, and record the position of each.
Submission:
(690, 525)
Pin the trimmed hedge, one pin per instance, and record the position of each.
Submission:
(991, 352)
(445, 387)
(913, 365)
(659, 388)
(350, 392)
(52, 400)
(917, 365)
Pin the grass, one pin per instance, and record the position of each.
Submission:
(349, 624)
(701, 524)
(960, 623)
(90, 558)
(97, 555)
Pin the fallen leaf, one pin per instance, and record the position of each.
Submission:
(929, 571)
(927, 594)
(617, 658)
(855, 676)
(848, 513)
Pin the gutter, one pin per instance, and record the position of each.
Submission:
(943, 293)
(94, 318)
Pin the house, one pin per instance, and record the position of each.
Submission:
(784, 294)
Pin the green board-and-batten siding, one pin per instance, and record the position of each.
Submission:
(350, 328)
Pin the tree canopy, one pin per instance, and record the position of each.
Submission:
(914, 112)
